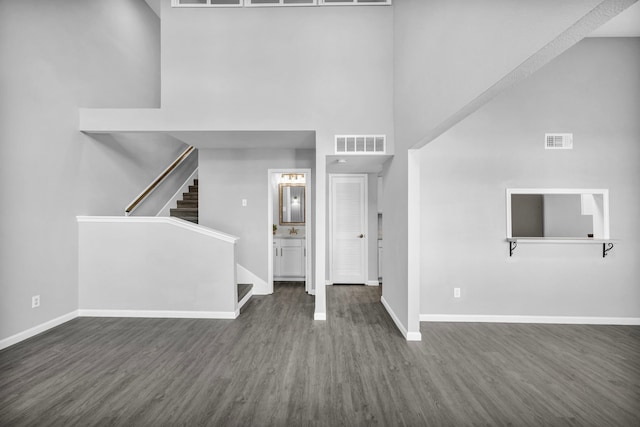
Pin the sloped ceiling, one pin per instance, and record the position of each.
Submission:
(155, 5)
(626, 24)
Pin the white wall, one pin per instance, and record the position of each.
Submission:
(563, 216)
(228, 176)
(57, 57)
(449, 57)
(280, 68)
(592, 90)
(171, 184)
(372, 222)
(326, 69)
(115, 169)
(154, 265)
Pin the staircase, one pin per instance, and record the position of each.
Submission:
(243, 289)
(188, 207)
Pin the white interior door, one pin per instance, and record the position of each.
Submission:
(348, 228)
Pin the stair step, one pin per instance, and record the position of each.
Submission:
(191, 203)
(184, 211)
(187, 207)
(243, 289)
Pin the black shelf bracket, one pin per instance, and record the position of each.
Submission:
(512, 247)
(606, 247)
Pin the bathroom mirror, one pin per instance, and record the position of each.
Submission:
(558, 213)
(292, 201)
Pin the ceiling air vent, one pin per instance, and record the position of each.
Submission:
(555, 141)
(360, 144)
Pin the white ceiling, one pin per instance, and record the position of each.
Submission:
(626, 24)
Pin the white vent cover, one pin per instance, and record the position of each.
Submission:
(554, 141)
(360, 144)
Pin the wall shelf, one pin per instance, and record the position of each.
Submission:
(607, 244)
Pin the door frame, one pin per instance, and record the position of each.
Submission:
(365, 264)
(309, 283)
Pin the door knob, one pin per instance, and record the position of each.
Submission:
(361, 236)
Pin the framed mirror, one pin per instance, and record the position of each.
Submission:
(292, 202)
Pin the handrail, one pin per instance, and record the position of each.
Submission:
(145, 193)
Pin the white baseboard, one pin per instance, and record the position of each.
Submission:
(43, 327)
(560, 320)
(409, 336)
(319, 316)
(414, 336)
(159, 314)
(367, 283)
(21, 336)
(260, 287)
(288, 279)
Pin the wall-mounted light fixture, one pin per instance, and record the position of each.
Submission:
(292, 177)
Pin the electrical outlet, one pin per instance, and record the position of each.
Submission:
(35, 301)
(456, 292)
(244, 202)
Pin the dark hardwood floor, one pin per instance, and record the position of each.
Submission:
(275, 366)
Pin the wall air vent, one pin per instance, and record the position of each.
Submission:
(558, 141)
(360, 144)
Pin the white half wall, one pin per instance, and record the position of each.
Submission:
(155, 264)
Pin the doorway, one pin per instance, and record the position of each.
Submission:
(290, 231)
(348, 228)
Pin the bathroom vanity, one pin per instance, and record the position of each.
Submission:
(289, 258)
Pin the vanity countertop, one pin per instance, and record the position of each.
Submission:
(288, 237)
